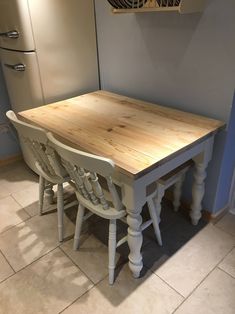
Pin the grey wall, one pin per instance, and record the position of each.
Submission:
(8, 141)
(183, 61)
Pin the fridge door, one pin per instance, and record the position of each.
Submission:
(65, 39)
(22, 78)
(15, 25)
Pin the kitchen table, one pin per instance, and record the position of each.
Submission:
(145, 141)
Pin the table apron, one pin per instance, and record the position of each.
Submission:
(202, 151)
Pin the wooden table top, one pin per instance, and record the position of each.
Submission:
(136, 135)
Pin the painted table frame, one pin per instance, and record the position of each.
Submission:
(134, 194)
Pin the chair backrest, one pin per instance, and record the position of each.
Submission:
(83, 169)
(45, 158)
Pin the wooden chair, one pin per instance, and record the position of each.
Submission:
(87, 171)
(47, 163)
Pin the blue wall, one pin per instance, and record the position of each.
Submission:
(182, 61)
(228, 164)
(8, 141)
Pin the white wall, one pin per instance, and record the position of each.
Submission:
(183, 61)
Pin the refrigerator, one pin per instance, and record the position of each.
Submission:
(48, 51)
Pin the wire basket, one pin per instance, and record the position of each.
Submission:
(181, 6)
(168, 3)
(137, 4)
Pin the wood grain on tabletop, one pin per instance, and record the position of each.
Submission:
(135, 134)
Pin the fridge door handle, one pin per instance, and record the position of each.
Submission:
(19, 67)
(11, 34)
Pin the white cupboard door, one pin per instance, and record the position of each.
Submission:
(15, 25)
(22, 78)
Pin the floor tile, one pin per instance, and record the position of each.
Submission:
(186, 268)
(227, 223)
(11, 213)
(17, 177)
(214, 296)
(175, 236)
(46, 286)
(128, 295)
(3, 191)
(168, 217)
(91, 258)
(28, 241)
(228, 264)
(5, 269)
(28, 199)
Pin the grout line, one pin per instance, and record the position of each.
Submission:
(76, 265)
(91, 288)
(228, 253)
(60, 246)
(7, 278)
(221, 229)
(16, 272)
(36, 260)
(76, 299)
(226, 272)
(22, 207)
(7, 261)
(168, 285)
(12, 227)
(197, 286)
(83, 294)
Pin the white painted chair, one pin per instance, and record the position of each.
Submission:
(47, 162)
(174, 178)
(87, 171)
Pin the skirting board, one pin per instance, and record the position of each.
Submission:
(219, 214)
(10, 160)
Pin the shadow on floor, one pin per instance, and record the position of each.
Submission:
(176, 230)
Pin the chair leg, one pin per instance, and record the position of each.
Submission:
(158, 200)
(60, 211)
(112, 249)
(49, 193)
(78, 228)
(41, 193)
(155, 220)
(177, 193)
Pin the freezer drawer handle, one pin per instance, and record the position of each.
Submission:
(19, 67)
(11, 34)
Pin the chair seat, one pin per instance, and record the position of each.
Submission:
(110, 213)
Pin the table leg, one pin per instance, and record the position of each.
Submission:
(133, 199)
(135, 240)
(198, 190)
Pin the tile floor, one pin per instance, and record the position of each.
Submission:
(194, 272)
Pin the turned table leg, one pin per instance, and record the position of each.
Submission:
(135, 240)
(133, 199)
(198, 190)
